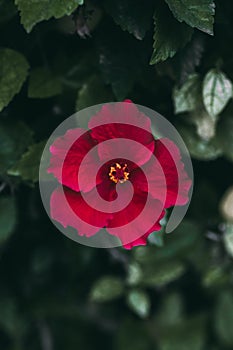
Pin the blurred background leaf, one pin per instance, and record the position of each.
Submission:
(13, 72)
(7, 217)
(174, 57)
(106, 289)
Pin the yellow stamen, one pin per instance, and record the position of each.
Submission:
(116, 170)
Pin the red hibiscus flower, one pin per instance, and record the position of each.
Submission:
(116, 175)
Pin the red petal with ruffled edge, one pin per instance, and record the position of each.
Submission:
(143, 239)
(135, 222)
(69, 209)
(68, 152)
(124, 148)
(122, 121)
(173, 179)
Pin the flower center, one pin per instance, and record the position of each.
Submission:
(118, 173)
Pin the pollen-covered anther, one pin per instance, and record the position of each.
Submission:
(118, 173)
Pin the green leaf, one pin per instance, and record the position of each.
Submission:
(228, 239)
(217, 91)
(106, 289)
(178, 244)
(226, 207)
(134, 273)
(224, 318)
(14, 140)
(163, 274)
(13, 73)
(156, 238)
(189, 58)
(93, 92)
(169, 35)
(199, 148)
(7, 217)
(43, 84)
(28, 165)
(139, 302)
(74, 70)
(131, 15)
(35, 11)
(205, 124)
(172, 310)
(196, 13)
(187, 98)
(215, 277)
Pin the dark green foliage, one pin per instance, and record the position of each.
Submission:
(169, 35)
(32, 12)
(175, 57)
(13, 72)
(7, 217)
(42, 84)
(27, 166)
(106, 289)
(131, 15)
(14, 140)
(197, 13)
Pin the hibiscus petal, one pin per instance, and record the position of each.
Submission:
(121, 112)
(69, 209)
(165, 173)
(125, 149)
(68, 152)
(140, 217)
(122, 120)
(143, 240)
